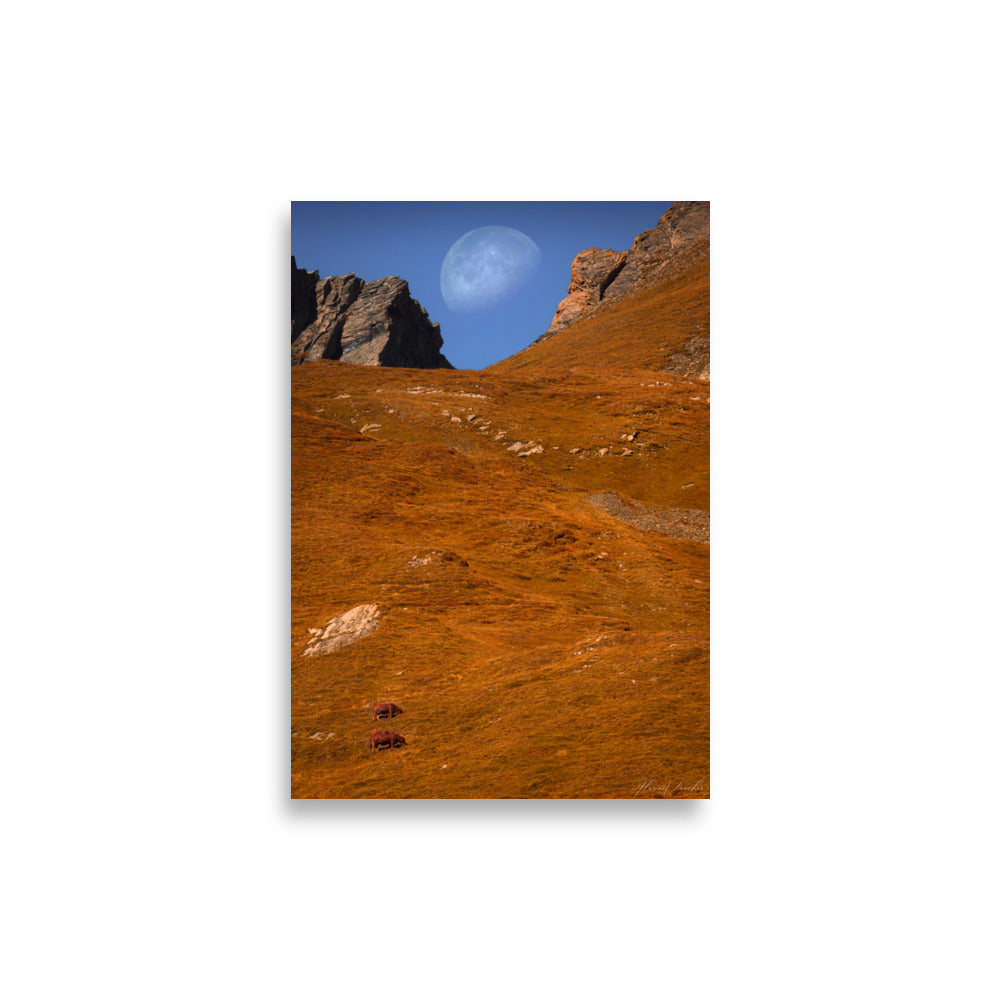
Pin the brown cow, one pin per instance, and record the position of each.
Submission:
(385, 710)
(382, 738)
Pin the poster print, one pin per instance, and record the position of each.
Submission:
(500, 500)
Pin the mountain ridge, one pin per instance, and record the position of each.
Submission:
(649, 311)
(679, 241)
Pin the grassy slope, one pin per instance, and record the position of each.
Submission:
(641, 330)
(544, 648)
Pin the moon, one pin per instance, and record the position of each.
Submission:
(487, 265)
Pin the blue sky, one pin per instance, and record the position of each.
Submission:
(411, 239)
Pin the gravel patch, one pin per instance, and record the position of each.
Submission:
(688, 524)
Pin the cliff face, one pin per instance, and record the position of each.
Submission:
(303, 298)
(363, 323)
(590, 274)
(679, 239)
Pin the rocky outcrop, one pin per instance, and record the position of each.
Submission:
(678, 239)
(303, 298)
(319, 311)
(589, 276)
(343, 630)
(597, 276)
(363, 323)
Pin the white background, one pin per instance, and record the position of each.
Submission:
(150, 848)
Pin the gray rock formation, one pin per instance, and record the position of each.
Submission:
(303, 298)
(363, 323)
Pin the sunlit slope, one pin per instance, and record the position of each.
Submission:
(641, 330)
(642, 434)
(539, 645)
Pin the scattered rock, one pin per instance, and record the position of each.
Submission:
(693, 360)
(437, 556)
(370, 427)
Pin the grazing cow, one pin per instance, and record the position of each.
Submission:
(382, 738)
(385, 710)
